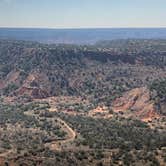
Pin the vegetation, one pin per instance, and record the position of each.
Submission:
(117, 133)
(101, 72)
(158, 94)
(159, 86)
(61, 130)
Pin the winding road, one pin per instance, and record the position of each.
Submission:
(57, 145)
(71, 134)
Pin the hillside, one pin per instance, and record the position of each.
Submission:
(59, 65)
(101, 104)
(137, 103)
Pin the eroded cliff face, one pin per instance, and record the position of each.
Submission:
(36, 86)
(137, 103)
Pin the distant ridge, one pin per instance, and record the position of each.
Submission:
(81, 36)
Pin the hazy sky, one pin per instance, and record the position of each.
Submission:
(82, 13)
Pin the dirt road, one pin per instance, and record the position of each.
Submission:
(71, 134)
(57, 145)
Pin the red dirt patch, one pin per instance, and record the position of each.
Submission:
(100, 112)
(138, 101)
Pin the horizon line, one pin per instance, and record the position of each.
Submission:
(75, 28)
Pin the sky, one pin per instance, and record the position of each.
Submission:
(82, 13)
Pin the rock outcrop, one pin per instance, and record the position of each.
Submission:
(137, 103)
(36, 86)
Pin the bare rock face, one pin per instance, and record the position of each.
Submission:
(36, 86)
(138, 102)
